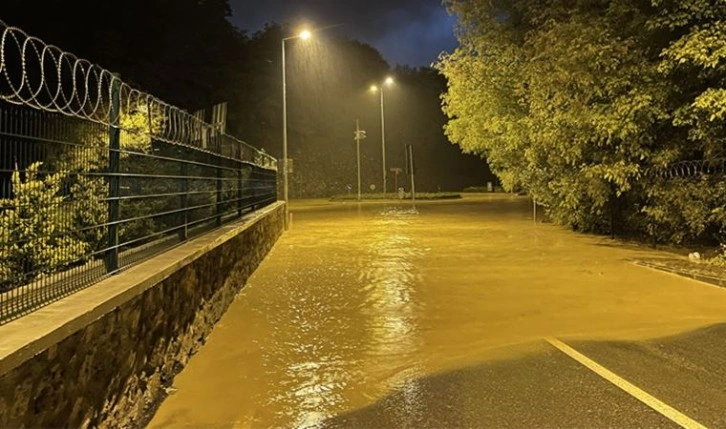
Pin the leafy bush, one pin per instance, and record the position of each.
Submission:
(720, 259)
(575, 102)
(36, 229)
(683, 210)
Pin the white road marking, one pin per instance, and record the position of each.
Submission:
(639, 394)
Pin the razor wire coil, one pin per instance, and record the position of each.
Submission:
(44, 77)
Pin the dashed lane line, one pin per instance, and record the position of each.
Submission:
(638, 393)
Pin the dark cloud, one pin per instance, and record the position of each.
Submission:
(410, 32)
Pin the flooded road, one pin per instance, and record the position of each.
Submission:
(378, 315)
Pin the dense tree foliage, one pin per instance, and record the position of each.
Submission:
(189, 54)
(580, 103)
(38, 227)
(328, 83)
(416, 119)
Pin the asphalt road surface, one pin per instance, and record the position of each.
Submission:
(459, 314)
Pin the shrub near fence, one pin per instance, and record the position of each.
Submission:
(96, 176)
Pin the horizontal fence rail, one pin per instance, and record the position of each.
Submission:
(96, 176)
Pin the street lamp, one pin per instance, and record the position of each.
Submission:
(304, 35)
(388, 81)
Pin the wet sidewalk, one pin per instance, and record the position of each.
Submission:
(361, 303)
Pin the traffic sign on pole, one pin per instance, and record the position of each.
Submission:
(358, 135)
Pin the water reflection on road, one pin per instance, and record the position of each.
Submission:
(358, 301)
(386, 313)
(335, 320)
(391, 277)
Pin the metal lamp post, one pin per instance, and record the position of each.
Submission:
(388, 81)
(303, 35)
(358, 136)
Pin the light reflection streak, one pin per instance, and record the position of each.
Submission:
(318, 368)
(390, 277)
(309, 368)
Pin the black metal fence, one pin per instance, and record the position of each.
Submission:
(96, 176)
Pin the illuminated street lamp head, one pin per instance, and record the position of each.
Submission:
(305, 34)
(374, 88)
(389, 81)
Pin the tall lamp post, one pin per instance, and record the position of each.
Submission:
(374, 88)
(303, 35)
(359, 135)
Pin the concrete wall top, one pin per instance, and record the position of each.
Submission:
(31, 334)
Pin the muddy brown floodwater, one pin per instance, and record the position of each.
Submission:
(357, 300)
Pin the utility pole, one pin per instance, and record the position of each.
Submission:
(383, 143)
(358, 136)
(411, 170)
(388, 81)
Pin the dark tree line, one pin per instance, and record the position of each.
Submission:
(188, 53)
(586, 105)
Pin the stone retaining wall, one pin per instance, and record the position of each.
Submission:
(102, 357)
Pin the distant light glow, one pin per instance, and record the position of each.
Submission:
(405, 32)
(374, 88)
(305, 34)
(389, 80)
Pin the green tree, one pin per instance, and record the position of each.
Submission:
(574, 101)
(85, 163)
(36, 228)
(414, 117)
(561, 101)
(692, 55)
(693, 64)
(687, 209)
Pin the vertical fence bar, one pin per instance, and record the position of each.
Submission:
(183, 200)
(240, 195)
(252, 183)
(114, 147)
(93, 236)
(220, 177)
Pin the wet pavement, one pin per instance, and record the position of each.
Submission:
(378, 315)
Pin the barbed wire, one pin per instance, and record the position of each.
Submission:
(44, 77)
(688, 169)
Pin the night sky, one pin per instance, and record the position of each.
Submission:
(411, 32)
